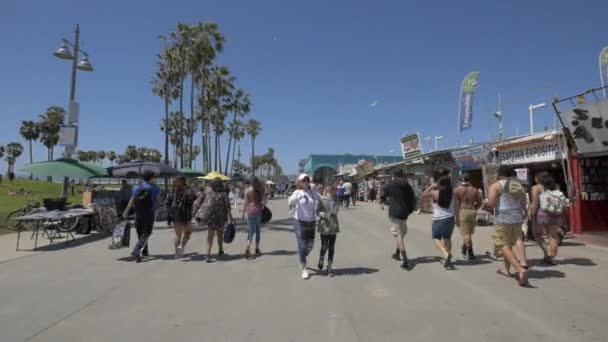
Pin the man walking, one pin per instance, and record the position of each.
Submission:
(507, 197)
(468, 200)
(401, 203)
(341, 191)
(145, 199)
(348, 190)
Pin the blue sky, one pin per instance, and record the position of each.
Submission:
(313, 68)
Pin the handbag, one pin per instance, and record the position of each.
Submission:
(229, 233)
(266, 215)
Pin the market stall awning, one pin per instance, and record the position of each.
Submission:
(214, 175)
(65, 167)
(137, 168)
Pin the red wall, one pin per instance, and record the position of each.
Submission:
(585, 216)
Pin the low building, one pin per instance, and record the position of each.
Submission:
(324, 167)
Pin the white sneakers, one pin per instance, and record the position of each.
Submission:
(179, 251)
(305, 274)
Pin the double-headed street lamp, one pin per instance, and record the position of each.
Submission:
(72, 122)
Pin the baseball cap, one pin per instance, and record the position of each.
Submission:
(302, 176)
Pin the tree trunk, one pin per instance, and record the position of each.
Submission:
(232, 159)
(252, 156)
(219, 152)
(191, 155)
(181, 116)
(230, 141)
(166, 131)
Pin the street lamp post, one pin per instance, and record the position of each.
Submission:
(531, 109)
(498, 115)
(64, 53)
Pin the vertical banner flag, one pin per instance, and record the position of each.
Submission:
(604, 69)
(469, 85)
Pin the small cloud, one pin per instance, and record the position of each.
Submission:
(374, 103)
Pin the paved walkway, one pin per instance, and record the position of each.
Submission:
(91, 293)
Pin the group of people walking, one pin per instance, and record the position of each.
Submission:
(457, 206)
(210, 207)
(315, 210)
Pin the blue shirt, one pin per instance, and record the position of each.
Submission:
(154, 191)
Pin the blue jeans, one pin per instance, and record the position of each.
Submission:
(306, 240)
(254, 223)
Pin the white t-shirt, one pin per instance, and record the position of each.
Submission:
(348, 188)
(305, 203)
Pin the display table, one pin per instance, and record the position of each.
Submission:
(53, 223)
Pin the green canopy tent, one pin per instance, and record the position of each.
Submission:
(191, 173)
(65, 167)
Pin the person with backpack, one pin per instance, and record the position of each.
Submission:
(255, 199)
(328, 227)
(180, 203)
(145, 200)
(304, 202)
(401, 203)
(442, 195)
(547, 207)
(507, 198)
(212, 208)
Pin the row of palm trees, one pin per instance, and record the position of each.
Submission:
(216, 103)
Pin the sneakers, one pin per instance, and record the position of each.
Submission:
(320, 265)
(179, 251)
(330, 270)
(448, 262)
(221, 252)
(464, 251)
(396, 256)
(247, 253)
(405, 265)
(258, 253)
(138, 259)
(305, 274)
(470, 254)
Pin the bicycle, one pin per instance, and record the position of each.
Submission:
(30, 208)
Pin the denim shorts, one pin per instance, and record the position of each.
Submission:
(442, 229)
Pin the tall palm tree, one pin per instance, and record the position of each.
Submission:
(164, 86)
(30, 131)
(2, 150)
(220, 87)
(131, 153)
(207, 41)
(234, 130)
(82, 155)
(101, 155)
(50, 125)
(239, 104)
(13, 151)
(254, 127)
(111, 157)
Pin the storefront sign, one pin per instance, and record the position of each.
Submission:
(588, 124)
(533, 152)
(410, 146)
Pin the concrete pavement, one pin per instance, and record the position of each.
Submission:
(90, 293)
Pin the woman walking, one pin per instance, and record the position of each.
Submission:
(255, 199)
(180, 203)
(213, 209)
(328, 227)
(304, 201)
(443, 216)
(543, 221)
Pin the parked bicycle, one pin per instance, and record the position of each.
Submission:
(30, 208)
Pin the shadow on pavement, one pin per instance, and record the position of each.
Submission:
(478, 261)
(280, 252)
(60, 244)
(578, 262)
(537, 274)
(354, 271)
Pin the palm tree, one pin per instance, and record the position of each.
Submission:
(164, 86)
(13, 151)
(101, 155)
(111, 157)
(131, 153)
(254, 127)
(220, 87)
(207, 41)
(51, 123)
(30, 131)
(2, 150)
(240, 105)
(82, 156)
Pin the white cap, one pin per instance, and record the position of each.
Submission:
(302, 176)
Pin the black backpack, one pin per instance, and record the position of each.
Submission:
(143, 201)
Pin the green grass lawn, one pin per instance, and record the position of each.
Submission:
(40, 190)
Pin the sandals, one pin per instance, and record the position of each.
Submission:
(523, 278)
